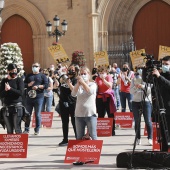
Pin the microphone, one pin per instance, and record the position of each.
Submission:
(143, 54)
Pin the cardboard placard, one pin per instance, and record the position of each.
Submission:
(13, 145)
(163, 51)
(83, 150)
(123, 119)
(104, 126)
(46, 119)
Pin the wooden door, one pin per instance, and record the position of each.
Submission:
(151, 27)
(17, 30)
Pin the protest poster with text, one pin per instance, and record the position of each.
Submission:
(104, 126)
(156, 144)
(83, 150)
(58, 53)
(101, 59)
(163, 51)
(137, 59)
(13, 145)
(123, 119)
(46, 119)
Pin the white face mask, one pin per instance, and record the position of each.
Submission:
(140, 71)
(35, 69)
(85, 77)
(165, 68)
(103, 75)
(52, 68)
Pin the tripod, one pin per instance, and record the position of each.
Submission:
(158, 115)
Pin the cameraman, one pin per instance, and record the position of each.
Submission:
(163, 79)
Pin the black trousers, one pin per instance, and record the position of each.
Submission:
(65, 113)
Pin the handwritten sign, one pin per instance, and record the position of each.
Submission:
(123, 119)
(163, 51)
(101, 59)
(83, 150)
(58, 53)
(13, 145)
(46, 119)
(104, 126)
(136, 58)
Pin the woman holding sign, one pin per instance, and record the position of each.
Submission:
(85, 113)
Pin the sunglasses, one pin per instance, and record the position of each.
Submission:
(83, 74)
(35, 66)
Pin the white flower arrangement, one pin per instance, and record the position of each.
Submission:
(10, 53)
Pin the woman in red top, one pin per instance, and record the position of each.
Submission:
(124, 80)
(105, 101)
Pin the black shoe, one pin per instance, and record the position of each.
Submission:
(63, 143)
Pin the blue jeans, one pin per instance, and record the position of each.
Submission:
(47, 103)
(35, 103)
(146, 110)
(117, 95)
(123, 97)
(91, 123)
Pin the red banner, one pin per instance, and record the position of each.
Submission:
(104, 126)
(83, 150)
(13, 145)
(46, 119)
(123, 119)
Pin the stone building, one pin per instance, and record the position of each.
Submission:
(118, 26)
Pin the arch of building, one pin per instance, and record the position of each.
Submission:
(116, 20)
(36, 21)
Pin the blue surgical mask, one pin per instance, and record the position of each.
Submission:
(139, 71)
(35, 69)
(85, 77)
(165, 68)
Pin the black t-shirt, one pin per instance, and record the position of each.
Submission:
(65, 92)
(14, 95)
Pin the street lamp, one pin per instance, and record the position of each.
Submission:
(56, 32)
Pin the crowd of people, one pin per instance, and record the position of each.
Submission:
(83, 95)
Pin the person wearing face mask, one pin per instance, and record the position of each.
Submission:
(124, 80)
(163, 80)
(35, 83)
(105, 100)
(141, 104)
(11, 91)
(85, 112)
(48, 93)
(67, 102)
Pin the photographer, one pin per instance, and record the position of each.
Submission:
(163, 80)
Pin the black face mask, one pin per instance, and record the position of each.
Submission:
(125, 69)
(71, 72)
(13, 75)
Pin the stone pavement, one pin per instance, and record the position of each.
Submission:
(45, 154)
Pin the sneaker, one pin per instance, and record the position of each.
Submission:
(150, 142)
(138, 141)
(36, 133)
(63, 143)
(25, 132)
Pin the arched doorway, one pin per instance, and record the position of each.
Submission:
(17, 30)
(151, 27)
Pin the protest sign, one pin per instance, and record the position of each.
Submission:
(123, 119)
(13, 145)
(46, 119)
(104, 126)
(58, 53)
(163, 51)
(83, 150)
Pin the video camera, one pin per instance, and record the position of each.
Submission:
(151, 63)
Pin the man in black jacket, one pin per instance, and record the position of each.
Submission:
(163, 80)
